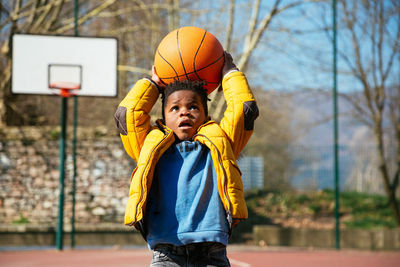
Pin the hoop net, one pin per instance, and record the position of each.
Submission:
(66, 88)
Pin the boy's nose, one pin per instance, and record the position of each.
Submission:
(184, 112)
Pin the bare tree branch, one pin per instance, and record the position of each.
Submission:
(173, 11)
(252, 39)
(86, 17)
(134, 69)
(349, 19)
(58, 7)
(253, 23)
(229, 30)
(373, 75)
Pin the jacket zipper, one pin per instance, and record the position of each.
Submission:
(141, 178)
(229, 215)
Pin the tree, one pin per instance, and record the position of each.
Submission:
(129, 21)
(272, 135)
(369, 34)
(36, 17)
(258, 25)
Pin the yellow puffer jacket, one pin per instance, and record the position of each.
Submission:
(146, 143)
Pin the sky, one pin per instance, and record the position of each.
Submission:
(295, 52)
(287, 61)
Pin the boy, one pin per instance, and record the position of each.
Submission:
(186, 192)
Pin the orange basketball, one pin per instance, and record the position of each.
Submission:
(190, 53)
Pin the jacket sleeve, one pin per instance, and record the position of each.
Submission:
(132, 116)
(241, 111)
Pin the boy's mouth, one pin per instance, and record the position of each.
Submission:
(185, 124)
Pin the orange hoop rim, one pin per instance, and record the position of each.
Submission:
(66, 88)
(65, 85)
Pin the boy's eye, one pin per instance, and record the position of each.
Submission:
(194, 107)
(174, 108)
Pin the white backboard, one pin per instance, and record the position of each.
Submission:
(38, 60)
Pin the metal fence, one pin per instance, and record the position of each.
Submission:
(313, 168)
(29, 177)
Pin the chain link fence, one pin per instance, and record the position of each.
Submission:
(29, 177)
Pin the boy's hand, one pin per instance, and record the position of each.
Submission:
(228, 64)
(156, 79)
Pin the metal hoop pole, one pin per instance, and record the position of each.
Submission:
(335, 129)
(63, 124)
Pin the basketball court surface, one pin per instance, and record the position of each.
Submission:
(239, 256)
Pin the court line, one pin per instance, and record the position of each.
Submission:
(239, 263)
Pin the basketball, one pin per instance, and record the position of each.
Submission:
(190, 53)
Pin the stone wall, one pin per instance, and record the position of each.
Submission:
(29, 180)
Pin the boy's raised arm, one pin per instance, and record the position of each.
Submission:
(132, 116)
(242, 110)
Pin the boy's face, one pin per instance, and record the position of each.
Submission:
(184, 113)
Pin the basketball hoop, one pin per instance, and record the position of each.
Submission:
(66, 88)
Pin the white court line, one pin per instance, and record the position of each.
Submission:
(239, 263)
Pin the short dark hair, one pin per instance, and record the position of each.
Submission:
(194, 86)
